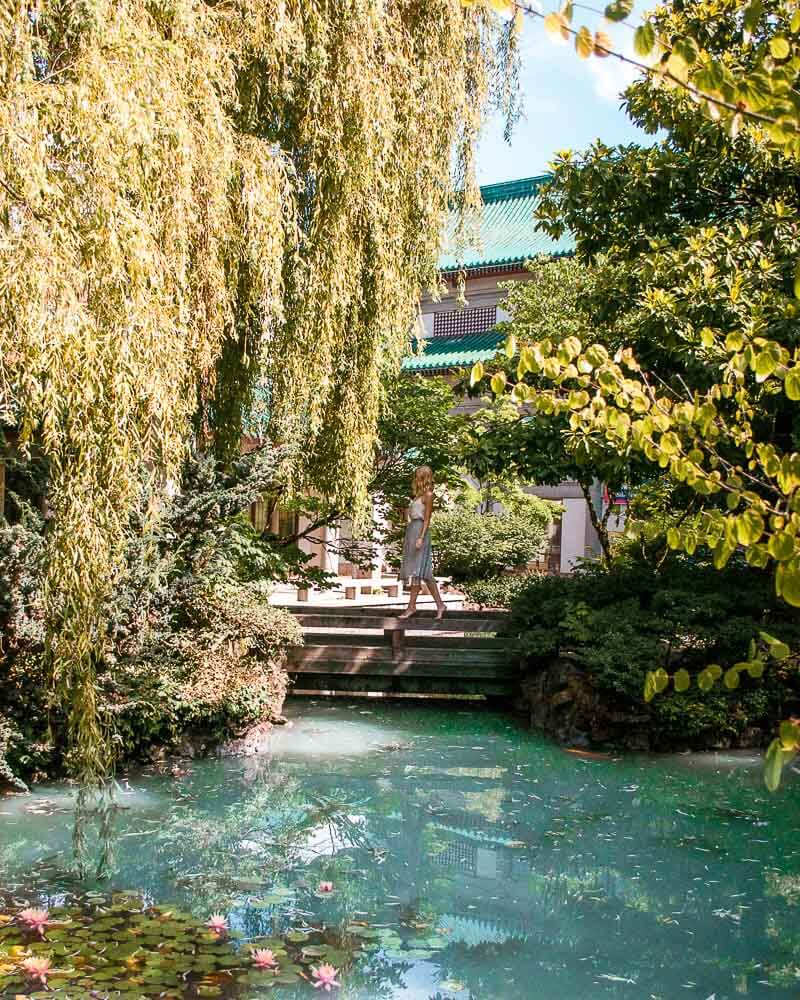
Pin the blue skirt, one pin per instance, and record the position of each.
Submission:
(417, 563)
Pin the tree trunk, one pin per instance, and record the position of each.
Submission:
(600, 525)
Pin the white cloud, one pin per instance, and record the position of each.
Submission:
(611, 76)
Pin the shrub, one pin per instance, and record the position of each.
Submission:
(469, 545)
(193, 648)
(211, 675)
(636, 615)
(496, 592)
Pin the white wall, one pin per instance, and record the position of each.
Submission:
(573, 533)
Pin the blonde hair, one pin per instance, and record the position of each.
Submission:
(423, 480)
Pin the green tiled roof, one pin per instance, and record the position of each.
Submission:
(507, 231)
(460, 351)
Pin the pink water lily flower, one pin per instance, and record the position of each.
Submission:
(35, 920)
(217, 923)
(325, 887)
(37, 968)
(326, 977)
(264, 959)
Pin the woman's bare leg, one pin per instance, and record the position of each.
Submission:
(412, 601)
(433, 588)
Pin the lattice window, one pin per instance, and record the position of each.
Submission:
(460, 321)
(259, 514)
(457, 855)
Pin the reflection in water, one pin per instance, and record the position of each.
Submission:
(486, 862)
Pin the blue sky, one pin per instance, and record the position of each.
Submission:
(568, 102)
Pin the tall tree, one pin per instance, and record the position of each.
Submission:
(193, 193)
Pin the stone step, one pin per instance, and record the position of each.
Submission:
(456, 621)
(379, 610)
(412, 640)
(406, 684)
(408, 667)
(380, 659)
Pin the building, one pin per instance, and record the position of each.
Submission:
(456, 336)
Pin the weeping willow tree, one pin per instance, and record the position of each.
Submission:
(195, 196)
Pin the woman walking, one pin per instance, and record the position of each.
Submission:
(417, 562)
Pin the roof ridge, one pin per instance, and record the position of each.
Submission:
(506, 190)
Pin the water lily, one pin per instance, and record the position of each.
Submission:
(217, 923)
(35, 920)
(264, 959)
(326, 977)
(325, 887)
(37, 968)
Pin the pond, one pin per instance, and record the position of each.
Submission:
(467, 858)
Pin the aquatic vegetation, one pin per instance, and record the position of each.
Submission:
(325, 887)
(34, 920)
(326, 977)
(217, 924)
(263, 958)
(122, 946)
(36, 968)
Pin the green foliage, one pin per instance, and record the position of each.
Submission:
(537, 444)
(644, 619)
(192, 648)
(197, 196)
(469, 544)
(496, 591)
(416, 427)
(690, 315)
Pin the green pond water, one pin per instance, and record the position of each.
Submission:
(469, 859)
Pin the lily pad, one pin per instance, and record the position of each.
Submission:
(297, 936)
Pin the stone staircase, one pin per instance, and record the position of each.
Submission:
(362, 649)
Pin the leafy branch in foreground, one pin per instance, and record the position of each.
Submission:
(764, 95)
(784, 747)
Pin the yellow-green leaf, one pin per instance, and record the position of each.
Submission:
(603, 45)
(682, 681)
(731, 678)
(749, 527)
(498, 383)
(781, 546)
(779, 47)
(791, 384)
(705, 680)
(619, 10)
(661, 680)
(789, 735)
(477, 373)
(554, 23)
(511, 345)
(584, 43)
(773, 765)
(644, 38)
(787, 582)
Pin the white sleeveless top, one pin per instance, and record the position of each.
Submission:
(416, 510)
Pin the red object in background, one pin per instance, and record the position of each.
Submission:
(621, 499)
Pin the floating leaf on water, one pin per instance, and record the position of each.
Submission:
(296, 936)
(316, 950)
(363, 932)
